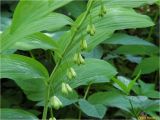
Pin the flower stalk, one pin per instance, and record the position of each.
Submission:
(50, 81)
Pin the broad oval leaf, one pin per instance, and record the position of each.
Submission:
(137, 50)
(124, 39)
(39, 18)
(147, 65)
(93, 71)
(34, 11)
(28, 73)
(16, 114)
(97, 111)
(127, 3)
(116, 99)
(37, 40)
(111, 98)
(146, 89)
(115, 19)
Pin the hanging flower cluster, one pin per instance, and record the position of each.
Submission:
(78, 59)
(103, 10)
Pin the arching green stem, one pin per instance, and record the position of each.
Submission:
(51, 79)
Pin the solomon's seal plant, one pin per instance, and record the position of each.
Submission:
(66, 56)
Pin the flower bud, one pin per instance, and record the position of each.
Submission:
(75, 59)
(88, 28)
(78, 59)
(69, 88)
(52, 118)
(93, 28)
(104, 9)
(81, 60)
(64, 88)
(101, 14)
(55, 102)
(83, 44)
(71, 73)
(92, 33)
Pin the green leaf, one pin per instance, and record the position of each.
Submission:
(28, 73)
(124, 39)
(34, 11)
(136, 50)
(37, 40)
(65, 99)
(121, 85)
(112, 99)
(68, 99)
(132, 83)
(39, 18)
(97, 52)
(113, 20)
(124, 84)
(147, 65)
(16, 114)
(129, 3)
(146, 89)
(105, 26)
(75, 8)
(97, 111)
(145, 104)
(118, 100)
(93, 71)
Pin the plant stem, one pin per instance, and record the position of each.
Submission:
(51, 78)
(85, 96)
(46, 103)
(133, 109)
(52, 116)
(153, 27)
(31, 54)
(86, 93)
(48, 93)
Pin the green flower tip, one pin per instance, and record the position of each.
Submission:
(78, 59)
(52, 118)
(91, 30)
(71, 73)
(103, 11)
(83, 44)
(55, 102)
(66, 88)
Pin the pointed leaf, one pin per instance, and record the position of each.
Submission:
(37, 40)
(28, 73)
(39, 18)
(89, 109)
(16, 114)
(147, 65)
(137, 50)
(124, 39)
(93, 71)
(128, 3)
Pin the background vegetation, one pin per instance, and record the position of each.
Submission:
(120, 77)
